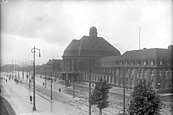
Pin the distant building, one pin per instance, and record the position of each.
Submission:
(53, 67)
(96, 54)
(10, 67)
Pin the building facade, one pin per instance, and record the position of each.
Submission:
(153, 65)
(53, 68)
(94, 55)
(80, 55)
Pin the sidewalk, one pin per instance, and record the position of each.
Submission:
(18, 98)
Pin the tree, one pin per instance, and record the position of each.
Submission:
(99, 96)
(145, 100)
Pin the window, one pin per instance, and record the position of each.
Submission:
(127, 62)
(110, 71)
(145, 62)
(133, 62)
(168, 62)
(122, 62)
(160, 62)
(152, 62)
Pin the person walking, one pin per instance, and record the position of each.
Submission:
(59, 89)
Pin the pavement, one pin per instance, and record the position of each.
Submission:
(18, 98)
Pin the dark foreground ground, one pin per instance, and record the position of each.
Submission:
(5, 107)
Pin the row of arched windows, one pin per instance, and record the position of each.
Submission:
(150, 62)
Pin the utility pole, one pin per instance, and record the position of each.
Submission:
(11, 72)
(12, 68)
(45, 79)
(139, 38)
(15, 69)
(18, 76)
(29, 79)
(89, 87)
(73, 86)
(73, 78)
(45, 82)
(29, 83)
(124, 76)
(51, 87)
(124, 86)
(23, 71)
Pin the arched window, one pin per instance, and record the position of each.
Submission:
(133, 62)
(145, 63)
(160, 62)
(122, 62)
(152, 62)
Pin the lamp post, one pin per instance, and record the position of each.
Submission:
(33, 51)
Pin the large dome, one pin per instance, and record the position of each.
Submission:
(72, 48)
(91, 46)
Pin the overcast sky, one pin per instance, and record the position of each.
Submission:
(52, 24)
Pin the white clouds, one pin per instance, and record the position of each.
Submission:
(156, 22)
(51, 25)
(37, 19)
(19, 49)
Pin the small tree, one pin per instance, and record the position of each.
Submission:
(145, 100)
(99, 96)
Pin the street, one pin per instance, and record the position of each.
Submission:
(63, 103)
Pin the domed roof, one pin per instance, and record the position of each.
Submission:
(96, 47)
(91, 46)
(72, 49)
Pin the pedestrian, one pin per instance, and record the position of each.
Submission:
(43, 83)
(30, 99)
(59, 89)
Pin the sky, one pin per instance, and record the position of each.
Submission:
(50, 25)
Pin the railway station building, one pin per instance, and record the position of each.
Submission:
(93, 55)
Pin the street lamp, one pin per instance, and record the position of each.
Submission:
(33, 51)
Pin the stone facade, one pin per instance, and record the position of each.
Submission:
(53, 67)
(95, 54)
